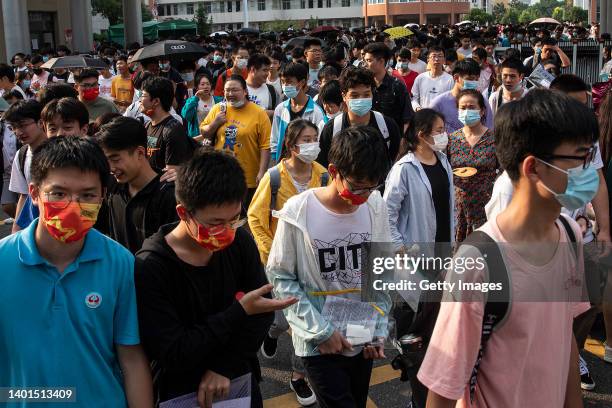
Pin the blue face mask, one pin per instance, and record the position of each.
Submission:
(290, 91)
(582, 185)
(469, 117)
(164, 67)
(45, 58)
(217, 58)
(360, 107)
(289, 58)
(467, 84)
(25, 84)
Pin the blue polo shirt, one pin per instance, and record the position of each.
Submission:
(59, 330)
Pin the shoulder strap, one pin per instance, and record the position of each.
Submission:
(272, 92)
(23, 152)
(570, 233)
(498, 303)
(382, 126)
(324, 179)
(500, 97)
(275, 182)
(337, 124)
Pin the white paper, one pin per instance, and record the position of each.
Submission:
(357, 334)
(239, 396)
(343, 313)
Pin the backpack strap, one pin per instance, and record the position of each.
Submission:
(382, 126)
(324, 179)
(570, 233)
(497, 305)
(500, 97)
(275, 182)
(337, 125)
(22, 154)
(272, 92)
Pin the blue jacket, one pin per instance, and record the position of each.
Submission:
(190, 114)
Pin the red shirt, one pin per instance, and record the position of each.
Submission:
(408, 78)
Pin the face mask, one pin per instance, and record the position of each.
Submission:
(440, 142)
(37, 71)
(360, 107)
(164, 67)
(403, 66)
(538, 51)
(289, 58)
(467, 84)
(215, 238)
(290, 91)
(187, 76)
(45, 58)
(333, 115)
(352, 199)
(308, 152)
(582, 185)
(26, 84)
(469, 117)
(91, 93)
(217, 58)
(515, 88)
(236, 104)
(69, 224)
(241, 63)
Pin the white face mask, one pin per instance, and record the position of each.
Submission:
(440, 142)
(236, 104)
(241, 63)
(308, 152)
(333, 115)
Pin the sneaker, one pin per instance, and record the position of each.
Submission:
(303, 393)
(268, 348)
(607, 354)
(586, 382)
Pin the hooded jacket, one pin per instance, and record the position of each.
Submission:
(293, 270)
(190, 320)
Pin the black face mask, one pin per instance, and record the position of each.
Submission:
(37, 71)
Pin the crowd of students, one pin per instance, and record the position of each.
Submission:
(173, 218)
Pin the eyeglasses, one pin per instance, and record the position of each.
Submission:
(220, 228)
(360, 191)
(88, 85)
(316, 51)
(61, 200)
(436, 56)
(587, 159)
(21, 125)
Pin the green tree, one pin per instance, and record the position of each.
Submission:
(558, 13)
(499, 9)
(517, 5)
(146, 13)
(526, 16)
(111, 9)
(511, 16)
(203, 22)
(480, 16)
(576, 15)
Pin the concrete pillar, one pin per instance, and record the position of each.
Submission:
(16, 27)
(386, 11)
(421, 12)
(245, 7)
(609, 17)
(80, 20)
(452, 13)
(603, 16)
(132, 22)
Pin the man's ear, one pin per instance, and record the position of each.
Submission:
(528, 168)
(34, 192)
(182, 212)
(85, 129)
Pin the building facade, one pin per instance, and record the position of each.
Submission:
(230, 15)
(400, 12)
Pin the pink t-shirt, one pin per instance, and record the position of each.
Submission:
(526, 361)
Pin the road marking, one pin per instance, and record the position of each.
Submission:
(595, 347)
(380, 375)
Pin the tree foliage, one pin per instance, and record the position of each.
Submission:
(113, 10)
(480, 16)
(499, 9)
(202, 20)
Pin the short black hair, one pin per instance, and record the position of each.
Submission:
(537, 124)
(310, 42)
(277, 55)
(512, 63)
(405, 53)
(68, 109)
(294, 70)
(466, 67)
(140, 78)
(480, 53)
(378, 49)
(567, 83)
(331, 93)
(473, 92)
(210, 178)
(436, 48)
(122, 133)
(161, 88)
(24, 109)
(56, 91)
(87, 73)
(238, 78)
(257, 61)
(327, 71)
(353, 76)
(549, 41)
(512, 53)
(298, 52)
(359, 152)
(422, 121)
(414, 44)
(7, 71)
(66, 152)
(536, 40)
(36, 59)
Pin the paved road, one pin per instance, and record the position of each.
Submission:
(386, 390)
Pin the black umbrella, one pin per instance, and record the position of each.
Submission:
(299, 41)
(248, 31)
(75, 61)
(172, 49)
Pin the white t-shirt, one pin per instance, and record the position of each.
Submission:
(466, 53)
(9, 148)
(418, 67)
(313, 78)
(336, 240)
(15, 88)
(494, 96)
(426, 88)
(261, 96)
(204, 108)
(20, 181)
(278, 87)
(105, 87)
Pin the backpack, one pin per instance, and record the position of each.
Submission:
(22, 153)
(272, 92)
(275, 182)
(380, 121)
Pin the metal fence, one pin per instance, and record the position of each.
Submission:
(586, 57)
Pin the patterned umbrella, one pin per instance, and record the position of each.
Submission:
(398, 32)
(75, 61)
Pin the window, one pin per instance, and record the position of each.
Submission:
(310, 3)
(168, 9)
(208, 7)
(302, 4)
(175, 9)
(261, 5)
(238, 26)
(286, 5)
(320, 3)
(328, 3)
(161, 11)
(221, 7)
(189, 8)
(229, 6)
(346, 3)
(237, 5)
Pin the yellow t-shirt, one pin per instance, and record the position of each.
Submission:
(122, 89)
(245, 133)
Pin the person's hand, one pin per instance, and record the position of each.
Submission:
(200, 94)
(583, 225)
(35, 86)
(259, 177)
(604, 243)
(169, 175)
(212, 385)
(374, 351)
(254, 302)
(220, 119)
(335, 344)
